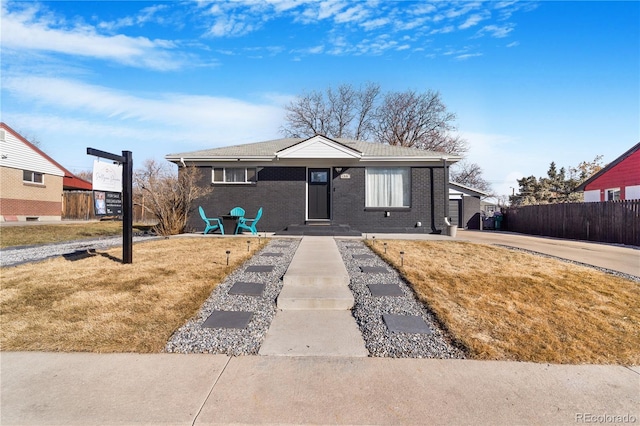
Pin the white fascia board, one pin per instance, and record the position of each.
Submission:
(450, 160)
(216, 159)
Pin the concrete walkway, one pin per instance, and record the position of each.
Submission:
(93, 389)
(314, 306)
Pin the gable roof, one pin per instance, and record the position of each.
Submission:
(286, 147)
(608, 167)
(467, 189)
(69, 181)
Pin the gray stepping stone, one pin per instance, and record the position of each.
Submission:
(374, 270)
(380, 290)
(282, 246)
(363, 256)
(259, 268)
(271, 254)
(228, 319)
(247, 289)
(406, 324)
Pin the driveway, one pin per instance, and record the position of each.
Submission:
(625, 259)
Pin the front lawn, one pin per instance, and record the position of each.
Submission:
(11, 236)
(502, 304)
(98, 304)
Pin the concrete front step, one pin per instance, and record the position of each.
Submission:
(324, 229)
(314, 333)
(316, 278)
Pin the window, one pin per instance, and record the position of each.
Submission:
(234, 175)
(613, 194)
(388, 187)
(33, 177)
(319, 177)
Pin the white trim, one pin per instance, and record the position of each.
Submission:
(632, 192)
(614, 190)
(224, 176)
(592, 196)
(320, 148)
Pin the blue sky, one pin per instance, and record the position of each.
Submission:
(530, 82)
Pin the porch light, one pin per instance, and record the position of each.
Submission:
(339, 170)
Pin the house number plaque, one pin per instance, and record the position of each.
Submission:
(345, 176)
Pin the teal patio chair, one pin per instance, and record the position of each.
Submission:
(250, 224)
(237, 211)
(213, 223)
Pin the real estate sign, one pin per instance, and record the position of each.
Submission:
(107, 176)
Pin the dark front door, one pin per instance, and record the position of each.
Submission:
(319, 193)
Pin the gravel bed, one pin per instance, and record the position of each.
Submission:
(13, 256)
(193, 338)
(368, 311)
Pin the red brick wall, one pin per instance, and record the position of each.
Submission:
(13, 207)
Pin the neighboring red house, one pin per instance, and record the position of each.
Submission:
(619, 180)
(32, 182)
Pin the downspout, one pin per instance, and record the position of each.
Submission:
(446, 191)
(433, 203)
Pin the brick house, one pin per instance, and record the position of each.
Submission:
(32, 182)
(619, 180)
(339, 183)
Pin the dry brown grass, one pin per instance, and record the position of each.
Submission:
(506, 305)
(98, 304)
(42, 234)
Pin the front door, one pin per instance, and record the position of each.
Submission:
(319, 197)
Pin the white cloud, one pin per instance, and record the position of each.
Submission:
(27, 29)
(465, 56)
(353, 14)
(496, 31)
(513, 44)
(147, 14)
(443, 30)
(230, 117)
(375, 23)
(472, 21)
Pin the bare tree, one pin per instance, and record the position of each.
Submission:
(307, 115)
(469, 174)
(344, 112)
(411, 119)
(341, 110)
(418, 120)
(85, 175)
(167, 195)
(365, 105)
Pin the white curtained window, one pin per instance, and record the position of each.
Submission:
(387, 187)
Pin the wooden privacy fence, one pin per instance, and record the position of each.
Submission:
(78, 205)
(608, 222)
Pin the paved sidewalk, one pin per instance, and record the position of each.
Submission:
(97, 389)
